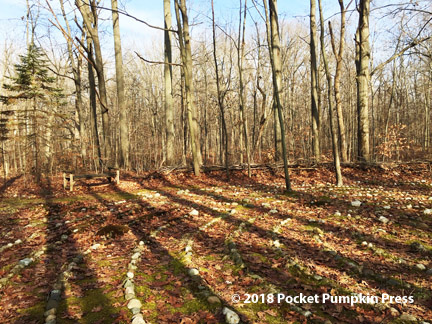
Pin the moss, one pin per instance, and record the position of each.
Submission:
(36, 312)
(92, 301)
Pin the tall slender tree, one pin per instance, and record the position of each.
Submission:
(314, 83)
(169, 104)
(362, 68)
(186, 57)
(121, 98)
(276, 64)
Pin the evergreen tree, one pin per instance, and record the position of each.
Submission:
(33, 86)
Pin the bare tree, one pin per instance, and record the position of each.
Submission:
(314, 83)
(121, 98)
(276, 63)
(186, 57)
(169, 104)
(362, 68)
(335, 147)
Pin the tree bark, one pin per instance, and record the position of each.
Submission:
(186, 56)
(335, 147)
(314, 84)
(91, 22)
(362, 68)
(169, 108)
(339, 57)
(121, 98)
(220, 96)
(276, 64)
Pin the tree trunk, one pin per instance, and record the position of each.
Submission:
(362, 68)
(314, 84)
(335, 147)
(91, 23)
(186, 56)
(121, 98)
(169, 108)
(339, 57)
(220, 97)
(240, 60)
(276, 64)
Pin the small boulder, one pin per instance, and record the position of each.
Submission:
(134, 303)
(231, 317)
(420, 267)
(213, 300)
(193, 272)
(194, 212)
(356, 203)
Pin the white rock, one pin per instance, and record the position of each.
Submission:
(9, 245)
(18, 241)
(364, 243)
(276, 243)
(273, 211)
(130, 275)
(420, 267)
(383, 219)
(387, 207)
(233, 211)
(194, 212)
(25, 262)
(138, 320)
(136, 256)
(356, 203)
(427, 211)
(337, 214)
(134, 303)
(230, 316)
(95, 246)
(193, 272)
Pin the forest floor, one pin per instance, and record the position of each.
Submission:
(192, 243)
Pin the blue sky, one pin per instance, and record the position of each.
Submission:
(12, 12)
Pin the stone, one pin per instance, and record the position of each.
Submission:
(55, 294)
(135, 310)
(52, 304)
(356, 203)
(417, 247)
(383, 219)
(130, 290)
(337, 214)
(130, 275)
(233, 211)
(25, 262)
(130, 296)
(230, 316)
(51, 317)
(134, 303)
(427, 211)
(128, 283)
(213, 300)
(423, 226)
(273, 211)
(95, 246)
(364, 243)
(387, 207)
(9, 245)
(394, 312)
(18, 242)
(407, 317)
(52, 311)
(138, 320)
(136, 256)
(194, 212)
(193, 272)
(420, 267)
(64, 237)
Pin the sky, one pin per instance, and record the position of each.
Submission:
(12, 15)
